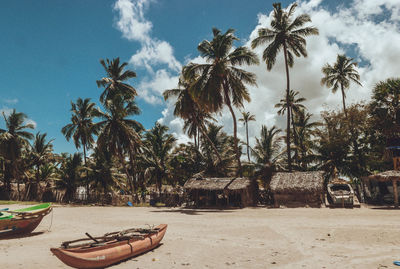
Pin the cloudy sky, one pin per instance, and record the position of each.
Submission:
(50, 53)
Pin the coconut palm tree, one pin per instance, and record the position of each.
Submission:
(81, 128)
(119, 134)
(294, 106)
(305, 131)
(114, 83)
(157, 148)
(340, 75)
(266, 152)
(13, 140)
(286, 33)
(187, 108)
(225, 146)
(70, 172)
(40, 154)
(103, 171)
(220, 82)
(246, 117)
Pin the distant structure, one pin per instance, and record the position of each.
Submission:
(221, 192)
(298, 189)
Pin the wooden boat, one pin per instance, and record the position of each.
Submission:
(340, 194)
(110, 248)
(22, 221)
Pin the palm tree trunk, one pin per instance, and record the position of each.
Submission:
(288, 110)
(228, 102)
(296, 142)
(247, 139)
(343, 100)
(87, 172)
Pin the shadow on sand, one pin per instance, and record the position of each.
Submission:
(16, 236)
(191, 211)
(389, 207)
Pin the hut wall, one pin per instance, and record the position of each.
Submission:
(298, 200)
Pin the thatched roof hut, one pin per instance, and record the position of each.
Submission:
(229, 191)
(386, 176)
(298, 188)
(383, 178)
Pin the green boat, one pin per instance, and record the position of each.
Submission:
(22, 221)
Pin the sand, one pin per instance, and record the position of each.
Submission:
(242, 238)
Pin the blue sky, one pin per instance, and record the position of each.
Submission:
(50, 51)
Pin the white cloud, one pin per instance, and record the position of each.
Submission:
(12, 101)
(366, 29)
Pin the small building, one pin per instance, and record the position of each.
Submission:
(382, 187)
(221, 192)
(298, 189)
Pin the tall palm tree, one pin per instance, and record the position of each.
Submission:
(294, 105)
(246, 117)
(81, 128)
(220, 82)
(157, 146)
(187, 108)
(114, 83)
(12, 141)
(288, 34)
(340, 75)
(119, 134)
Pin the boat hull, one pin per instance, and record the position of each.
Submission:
(22, 221)
(110, 253)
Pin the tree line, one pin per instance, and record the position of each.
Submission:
(118, 154)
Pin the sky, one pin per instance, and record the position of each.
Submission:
(50, 54)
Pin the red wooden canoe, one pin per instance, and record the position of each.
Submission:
(108, 253)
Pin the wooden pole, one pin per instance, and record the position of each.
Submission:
(395, 194)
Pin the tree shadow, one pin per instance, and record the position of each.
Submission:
(192, 211)
(16, 236)
(384, 208)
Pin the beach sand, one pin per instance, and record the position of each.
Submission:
(241, 238)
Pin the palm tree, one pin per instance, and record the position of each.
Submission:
(70, 172)
(267, 152)
(81, 128)
(157, 146)
(220, 82)
(12, 141)
(41, 152)
(286, 34)
(224, 145)
(294, 106)
(118, 134)
(189, 110)
(340, 75)
(114, 83)
(246, 117)
(305, 131)
(103, 171)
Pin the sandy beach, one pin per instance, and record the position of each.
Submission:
(242, 238)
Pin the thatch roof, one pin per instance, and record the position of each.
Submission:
(230, 183)
(304, 182)
(386, 176)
